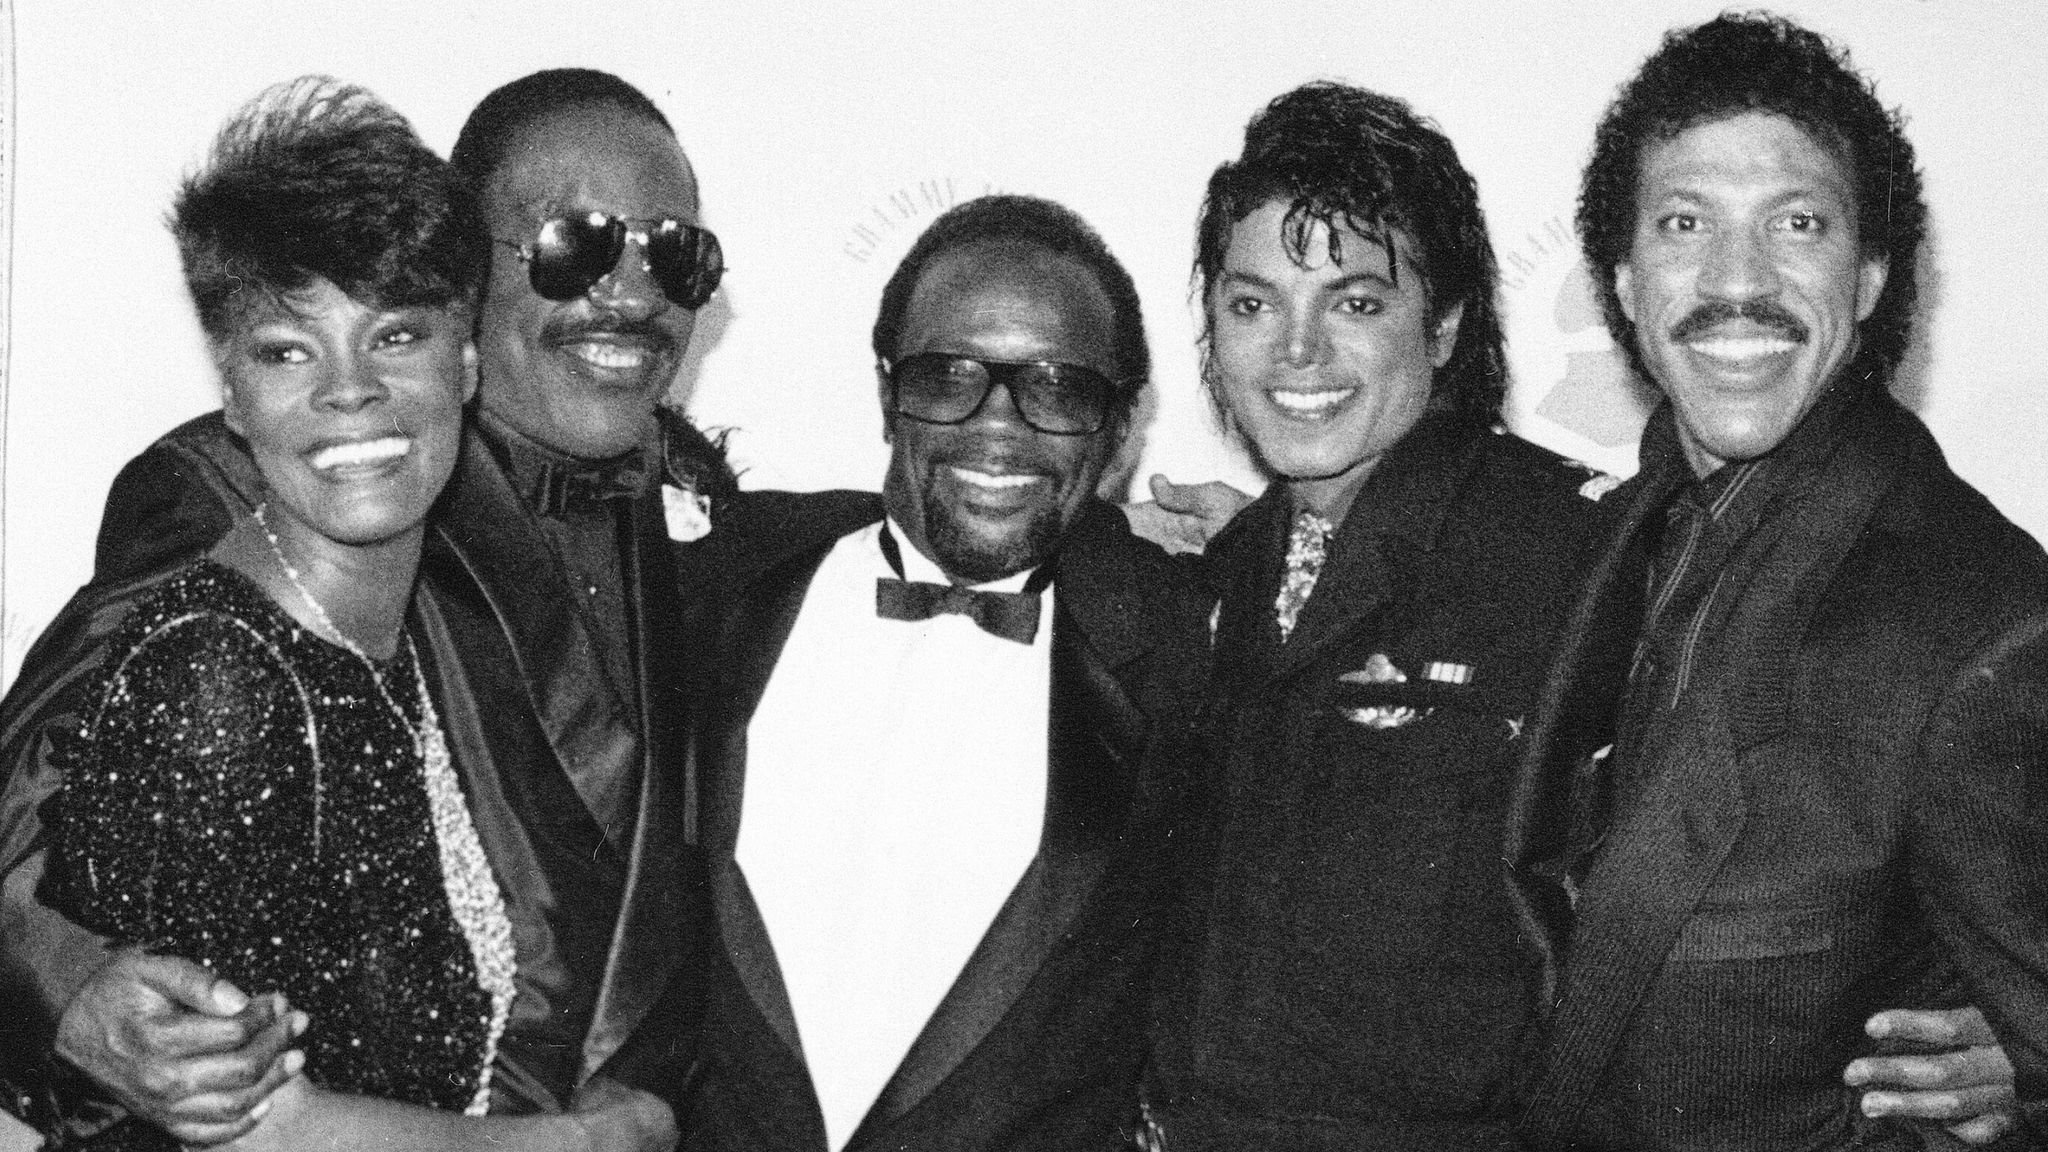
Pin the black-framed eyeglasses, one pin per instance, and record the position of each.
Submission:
(571, 254)
(944, 388)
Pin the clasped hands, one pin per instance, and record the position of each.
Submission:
(196, 1056)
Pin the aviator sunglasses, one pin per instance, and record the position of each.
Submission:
(572, 253)
(945, 388)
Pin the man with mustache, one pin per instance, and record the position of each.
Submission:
(548, 612)
(932, 854)
(1824, 790)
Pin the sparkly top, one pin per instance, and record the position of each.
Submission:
(1308, 544)
(245, 796)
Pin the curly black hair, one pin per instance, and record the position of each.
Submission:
(1743, 62)
(1035, 221)
(317, 179)
(480, 146)
(1339, 155)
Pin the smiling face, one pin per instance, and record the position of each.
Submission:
(583, 376)
(991, 496)
(1744, 280)
(352, 413)
(1323, 363)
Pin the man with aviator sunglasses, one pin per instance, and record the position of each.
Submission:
(548, 614)
(572, 254)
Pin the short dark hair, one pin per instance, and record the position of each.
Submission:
(1043, 224)
(314, 178)
(481, 145)
(1339, 155)
(1757, 62)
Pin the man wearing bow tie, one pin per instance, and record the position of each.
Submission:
(918, 744)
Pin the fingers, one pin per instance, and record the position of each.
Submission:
(186, 984)
(160, 1038)
(1931, 1027)
(1212, 500)
(1984, 1129)
(143, 1028)
(217, 1117)
(1961, 1068)
(1952, 1104)
(1170, 496)
(204, 1133)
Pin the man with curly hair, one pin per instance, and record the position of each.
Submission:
(1824, 790)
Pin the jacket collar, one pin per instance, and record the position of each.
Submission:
(490, 533)
(1398, 513)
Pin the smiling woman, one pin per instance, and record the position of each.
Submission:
(258, 780)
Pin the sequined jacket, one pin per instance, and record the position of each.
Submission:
(244, 794)
(578, 806)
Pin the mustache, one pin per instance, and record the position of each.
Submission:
(1767, 313)
(568, 330)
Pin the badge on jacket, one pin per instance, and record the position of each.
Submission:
(1376, 699)
(688, 513)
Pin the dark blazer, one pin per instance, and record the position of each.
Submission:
(1039, 1043)
(580, 807)
(1351, 975)
(1847, 812)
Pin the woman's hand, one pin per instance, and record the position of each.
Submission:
(178, 1046)
(606, 1117)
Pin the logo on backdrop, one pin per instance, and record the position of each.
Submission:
(888, 225)
(1574, 389)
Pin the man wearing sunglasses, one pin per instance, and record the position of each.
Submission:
(548, 611)
(918, 742)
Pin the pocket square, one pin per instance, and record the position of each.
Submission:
(1380, 695)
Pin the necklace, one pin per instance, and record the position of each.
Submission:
(474, 898)
(291, 576)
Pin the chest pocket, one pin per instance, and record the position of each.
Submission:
(1753, 934)
(1424, 744)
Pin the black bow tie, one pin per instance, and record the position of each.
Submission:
(1010, 615)
(561, 487)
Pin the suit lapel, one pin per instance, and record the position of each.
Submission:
(1096, 735)
(783, 546)
(494, 538)
(1573, 718)
(1675, 830)
(654, 925)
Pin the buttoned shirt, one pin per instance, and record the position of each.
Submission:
(1708, 521)
(895, 793)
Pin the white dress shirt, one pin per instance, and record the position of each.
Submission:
(895, 792)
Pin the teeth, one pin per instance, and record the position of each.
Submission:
(992, 480)
(613, 356)
(1311, 402)
(1743, 347)
(362, 452)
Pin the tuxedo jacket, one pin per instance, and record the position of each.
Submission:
(1848, 811)
(579, 805)
(1350, 974)
(1039, 1043)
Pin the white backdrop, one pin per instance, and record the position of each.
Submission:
(825, 136)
